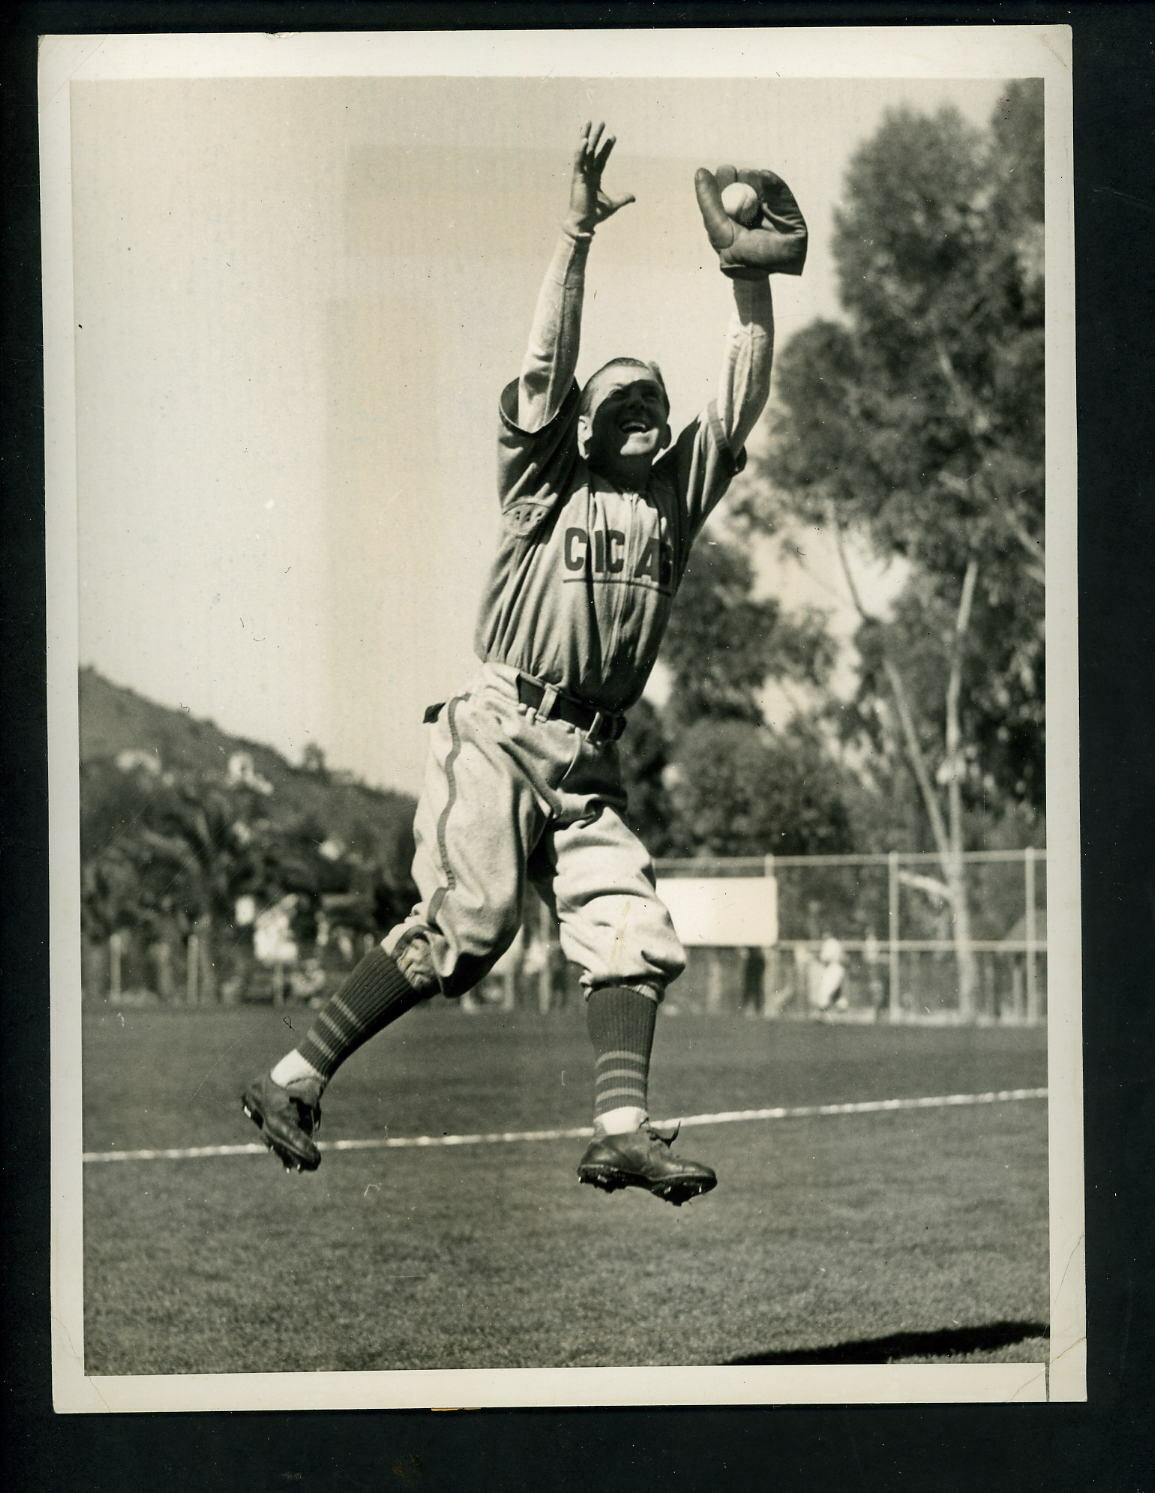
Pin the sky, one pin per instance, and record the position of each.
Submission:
(296, 301)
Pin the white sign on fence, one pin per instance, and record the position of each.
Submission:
(722, 911)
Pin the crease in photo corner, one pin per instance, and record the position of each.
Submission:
(112, 58)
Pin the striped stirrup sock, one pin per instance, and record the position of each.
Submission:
(621, 1026)
(374, 994)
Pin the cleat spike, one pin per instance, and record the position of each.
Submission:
(286, 1119)
(644, 1159)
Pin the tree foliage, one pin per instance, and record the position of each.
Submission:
(168, 853)
(644, 754)
(738, 790)
(724, 643)
(742, 791)
(916, 422)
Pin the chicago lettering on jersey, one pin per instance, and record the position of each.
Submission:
(602, 553)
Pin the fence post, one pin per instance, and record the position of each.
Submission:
(114, 966)
(893, 1005)
(164, 983)
(771, 961)
(714, 982)
(769, 873)
(1032, 934)
(192, 970)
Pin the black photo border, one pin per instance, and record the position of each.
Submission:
(1106, 1444)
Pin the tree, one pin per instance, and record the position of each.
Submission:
(173, 851)
(742, 791)
(723, 643)
(644, 754)
(738, 789)
(118, 897)
(915, 427)
(201, 828)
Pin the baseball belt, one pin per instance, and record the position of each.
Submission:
(598, 725)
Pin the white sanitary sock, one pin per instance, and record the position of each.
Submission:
(293, 1068)
(620, 1121)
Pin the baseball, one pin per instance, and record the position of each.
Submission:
(741, 203)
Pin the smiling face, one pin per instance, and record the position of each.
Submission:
(623, 421)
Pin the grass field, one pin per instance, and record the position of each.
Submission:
(903, 1235)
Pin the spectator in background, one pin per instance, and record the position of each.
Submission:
(833, 961)
(753, 981)
(804, 982)
(307, 981)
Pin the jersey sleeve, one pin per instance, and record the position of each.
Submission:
(534, 468)
(702, 464)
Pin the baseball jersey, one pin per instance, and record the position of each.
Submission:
(585, 574)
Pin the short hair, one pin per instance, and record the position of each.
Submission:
(651, 368)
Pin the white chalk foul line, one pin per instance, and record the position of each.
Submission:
(505, 1137)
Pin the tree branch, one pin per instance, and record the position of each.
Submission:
(901, 701)
(917, 757)
(958, 641)
(1015, 527)
(926, 884)
(848, 575)
(1006, 516)
(979, 425)
(974, 414)
(953, 726)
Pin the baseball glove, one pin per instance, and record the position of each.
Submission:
(774, 244)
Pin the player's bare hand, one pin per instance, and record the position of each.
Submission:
(589, 204)
(773, 243)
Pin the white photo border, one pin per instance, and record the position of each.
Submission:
(980, 51)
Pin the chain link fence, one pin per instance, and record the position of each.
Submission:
(846, 938)
(872, 937)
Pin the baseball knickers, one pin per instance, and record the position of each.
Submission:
(508, 798)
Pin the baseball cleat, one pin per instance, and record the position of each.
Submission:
(286, 1118)
(644, 1159)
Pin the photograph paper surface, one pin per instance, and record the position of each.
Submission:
(385, 642)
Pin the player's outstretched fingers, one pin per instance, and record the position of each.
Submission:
(606, 205)
(585, 152)
(589, 204)
(583, 140)
(602, 155)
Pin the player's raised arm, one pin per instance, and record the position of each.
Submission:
(756, 228)
(551, 356)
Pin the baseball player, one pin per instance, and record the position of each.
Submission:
(599, 508)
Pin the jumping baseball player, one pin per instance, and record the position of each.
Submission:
(599, 508)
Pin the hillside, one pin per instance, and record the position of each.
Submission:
(114, 719)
